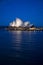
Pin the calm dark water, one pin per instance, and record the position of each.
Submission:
(21, 48)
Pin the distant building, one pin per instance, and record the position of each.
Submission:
(19, 23)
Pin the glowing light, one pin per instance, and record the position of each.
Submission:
(26, 23)
(19, 22)
(12, 24)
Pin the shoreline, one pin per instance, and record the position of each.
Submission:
(9, 28)
(24, 29)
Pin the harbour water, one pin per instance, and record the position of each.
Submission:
(21, 47)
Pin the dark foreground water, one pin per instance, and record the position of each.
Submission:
(21, 48)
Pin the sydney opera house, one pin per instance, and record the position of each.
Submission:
(19, 23)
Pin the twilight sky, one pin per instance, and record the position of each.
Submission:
(27, 10)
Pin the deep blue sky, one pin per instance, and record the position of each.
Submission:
(30, 10)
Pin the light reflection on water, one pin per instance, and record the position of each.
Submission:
(20, 39)
(16, 39)
(21, 47)
(16, 42)
(23, 40)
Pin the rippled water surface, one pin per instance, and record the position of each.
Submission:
(21, 48)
